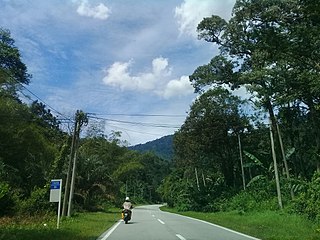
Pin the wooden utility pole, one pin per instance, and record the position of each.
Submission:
(73, 170)
(204, 180)
(241, 162)
(67, 182)
(195, 170)
(81, 118)
(284, 159)
(275, 167)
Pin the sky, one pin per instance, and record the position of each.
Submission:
(124, 62)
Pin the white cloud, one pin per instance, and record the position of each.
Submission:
(190, 13)
(119, 75)
(99, 11)
(160, 66)
(181, 87)
(46, 33)
(157, 81)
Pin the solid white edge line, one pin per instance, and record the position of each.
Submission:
(212, 224)
(162, 222)
(180, 237)
(110, 231)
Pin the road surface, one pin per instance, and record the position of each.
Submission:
(149, 223)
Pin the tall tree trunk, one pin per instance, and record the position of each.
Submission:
(273, 127)
(241, 162)
(197, 178)
(284, 159)
(204, 180)
(275, 167)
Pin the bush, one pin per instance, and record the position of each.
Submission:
(260, 195)
(308, 202)
(38, 202)
(6, 199)
(243, 201)
(175, 190)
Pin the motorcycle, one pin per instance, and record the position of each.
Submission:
(126, 215)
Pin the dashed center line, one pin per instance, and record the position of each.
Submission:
(180, 237)
(161, 221)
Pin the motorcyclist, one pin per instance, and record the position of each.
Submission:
(127, 205)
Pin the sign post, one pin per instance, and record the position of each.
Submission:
(55, 195)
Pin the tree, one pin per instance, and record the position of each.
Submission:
(13, 71)
(205, 140)
(270, 48)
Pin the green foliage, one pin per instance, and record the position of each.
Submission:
(176, 191)
(183, 193)
(269, 47)
(6, 199)
(308, 201)
(45, 119)
(273, 225)
(108, 172)
(12, 70)
(248, 201)
(242, 202)
(82, 226)
(207, 138)
(254, 160)
(37, 203)
(34, 150)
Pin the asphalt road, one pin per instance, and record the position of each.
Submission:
(149, 223)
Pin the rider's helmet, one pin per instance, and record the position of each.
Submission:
(127, 199)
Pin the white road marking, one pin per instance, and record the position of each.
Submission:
(180, 237)
(161, 221)
(111, 231)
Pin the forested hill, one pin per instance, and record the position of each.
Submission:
(162, 147)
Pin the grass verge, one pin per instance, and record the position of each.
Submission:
(266, 225)
(82, 226)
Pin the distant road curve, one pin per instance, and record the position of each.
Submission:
(150, 223)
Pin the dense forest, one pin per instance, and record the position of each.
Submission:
(248, 153)
(261, 152)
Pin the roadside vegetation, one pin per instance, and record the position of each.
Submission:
(82, 226)
(267, 225)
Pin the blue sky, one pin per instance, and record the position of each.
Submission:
(123, 60)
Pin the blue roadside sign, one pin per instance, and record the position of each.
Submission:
(55, 195)
(55, 185)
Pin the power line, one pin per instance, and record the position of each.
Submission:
(46, 104)
(130, 130)
(67, 119)
(138, 123)
(137, 115)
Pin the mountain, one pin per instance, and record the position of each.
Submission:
(162, 147)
